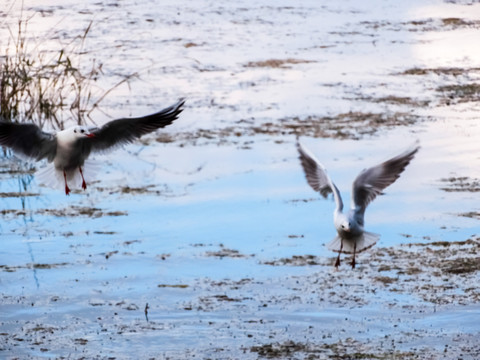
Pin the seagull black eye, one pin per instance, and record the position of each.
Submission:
(82, 131)
(75, 131)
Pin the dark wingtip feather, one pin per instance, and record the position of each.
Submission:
(371, 182)
(122, 131)
(311, 169)
(176, 108)
(400, 162)
(171, 112)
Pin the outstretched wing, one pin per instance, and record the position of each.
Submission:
(123, 131)
(28, 140)
(371, 182)
(317, 176)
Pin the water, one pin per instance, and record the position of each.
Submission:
(202, 216)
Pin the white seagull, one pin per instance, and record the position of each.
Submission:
(351, 237)
(69, 149)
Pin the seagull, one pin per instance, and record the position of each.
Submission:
(69, 149)
(351, 237)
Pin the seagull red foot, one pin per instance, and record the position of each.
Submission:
(84, 184)
(354, 253)
(67, 189)
(337, 263)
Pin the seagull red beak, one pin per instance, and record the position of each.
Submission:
(91, 135)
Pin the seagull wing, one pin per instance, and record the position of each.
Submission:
(28, 140)
(371, 182)
(123, 131)
(317, 176)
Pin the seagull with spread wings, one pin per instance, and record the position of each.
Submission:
(351, 237)
(69, 149)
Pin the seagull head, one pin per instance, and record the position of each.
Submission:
(82, 131)
(345, 225)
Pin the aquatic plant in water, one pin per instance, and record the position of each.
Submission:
(41, 85)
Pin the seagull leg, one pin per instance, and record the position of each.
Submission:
(354, 252)
(84, 184)
(337, 263)
(67, 189)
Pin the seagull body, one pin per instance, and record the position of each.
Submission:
(69, 149)
(351, 236)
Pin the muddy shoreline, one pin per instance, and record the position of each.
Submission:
(437, 277)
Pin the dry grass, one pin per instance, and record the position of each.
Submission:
(44, 86)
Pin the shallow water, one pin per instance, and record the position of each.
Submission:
(216, 228)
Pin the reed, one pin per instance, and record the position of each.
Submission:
(47, 86)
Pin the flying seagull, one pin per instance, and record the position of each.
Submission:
(351, 237)
(69, 149)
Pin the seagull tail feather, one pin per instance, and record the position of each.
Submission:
(364, 242)
(50, 177)
(53, 178)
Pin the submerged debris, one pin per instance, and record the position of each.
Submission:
(41, 266)
(178, 286)
(226, 252)
(348, 349)
(297, 260)
(17, 194)
(351, 125)
(453, 71)
(461, 184)
(471, 214)
(459, 93)
(277, 63)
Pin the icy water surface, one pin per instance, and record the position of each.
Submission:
(211, 222)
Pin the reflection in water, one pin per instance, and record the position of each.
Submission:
(20, 177)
